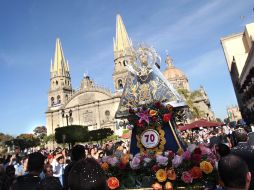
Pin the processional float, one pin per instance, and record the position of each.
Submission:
(151, 105)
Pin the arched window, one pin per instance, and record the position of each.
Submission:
(56, 82)
(125, 62)
(52, 101)
(120, 84)
(58, 99)
(66, 97)
(107, 114)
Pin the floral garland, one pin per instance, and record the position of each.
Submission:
(150, 117)
(190, 169)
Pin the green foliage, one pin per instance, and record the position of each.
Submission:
(4, 138)
(71, 134)
(125, 131)
(24, 141)
(190, 98)
(49, 138)
(40, 132)
(100, 134)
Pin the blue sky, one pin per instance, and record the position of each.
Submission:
(189, 29)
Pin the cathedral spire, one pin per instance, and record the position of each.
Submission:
(122, 41)
(60, 66)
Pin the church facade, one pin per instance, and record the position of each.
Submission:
(92, 105)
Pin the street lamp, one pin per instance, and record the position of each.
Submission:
(67, 116)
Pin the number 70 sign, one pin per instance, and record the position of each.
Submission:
(150, 138)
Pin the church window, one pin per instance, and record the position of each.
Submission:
(58, 99)
(120, 84)
(125, 62)
(107, 113)
(56, 82)
(66, 97)
(52, 101)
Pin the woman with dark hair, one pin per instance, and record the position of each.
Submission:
(87, 175)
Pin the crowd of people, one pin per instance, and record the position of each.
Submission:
(78, 168)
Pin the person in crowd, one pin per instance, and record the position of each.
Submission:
(50, 182)
(21, 167)
(244, 151)
(59, 168)
(108, 150)
(250, 140)
(214, 139)
(234, 173)
(87, 175)
(31, 180)
(223, 150)
(10, 173)
(77, 153)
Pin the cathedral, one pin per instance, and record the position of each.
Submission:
(92, 105)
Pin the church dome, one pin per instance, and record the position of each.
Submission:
(171, 72)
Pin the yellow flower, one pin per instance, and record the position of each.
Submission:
(104, 166)
(168, 186)
(206, 167)
(180, 152)
(153, 113)
(161, 175)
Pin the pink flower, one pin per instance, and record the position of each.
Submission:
(186, 177)
(186, 155)
(130, 127)
(112, 161)
(177, 161)
(205, 150)
(135, 163)
(143, 116)
(162, 160)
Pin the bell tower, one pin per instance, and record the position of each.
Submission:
(60, 80)
(123, 54)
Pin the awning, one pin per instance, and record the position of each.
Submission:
(200, 123)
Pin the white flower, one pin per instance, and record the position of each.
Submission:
(147, 160)
(162, 160)
(191, 148)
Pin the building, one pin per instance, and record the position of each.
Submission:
(234, 113)
(93, 105)
(179, 80)
(239, 53)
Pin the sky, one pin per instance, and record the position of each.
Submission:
(190, 30)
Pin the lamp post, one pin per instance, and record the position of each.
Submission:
(67, 116)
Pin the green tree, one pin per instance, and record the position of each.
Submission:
(24, 141)
(191, 98)
(40, 132)
(100, 134)
(49, 138)
(71, 134)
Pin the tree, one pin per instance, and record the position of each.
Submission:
(71, 134)
(24, 141)
(100, 134)
(218, 120)
(49, 138)
(190, 98)
(40, 132)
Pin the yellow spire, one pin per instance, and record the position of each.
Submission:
(122, 41)
(60, 66)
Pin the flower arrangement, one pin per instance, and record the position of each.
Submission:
(191, 169)
(149, 116)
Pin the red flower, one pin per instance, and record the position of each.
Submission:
(155, 168)
(197, 151)
(166, 117)
(113, 183)
(196, 158)
(121, 165)
(140, 124)
(157, 105)
(196, 172)
(171, 154)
